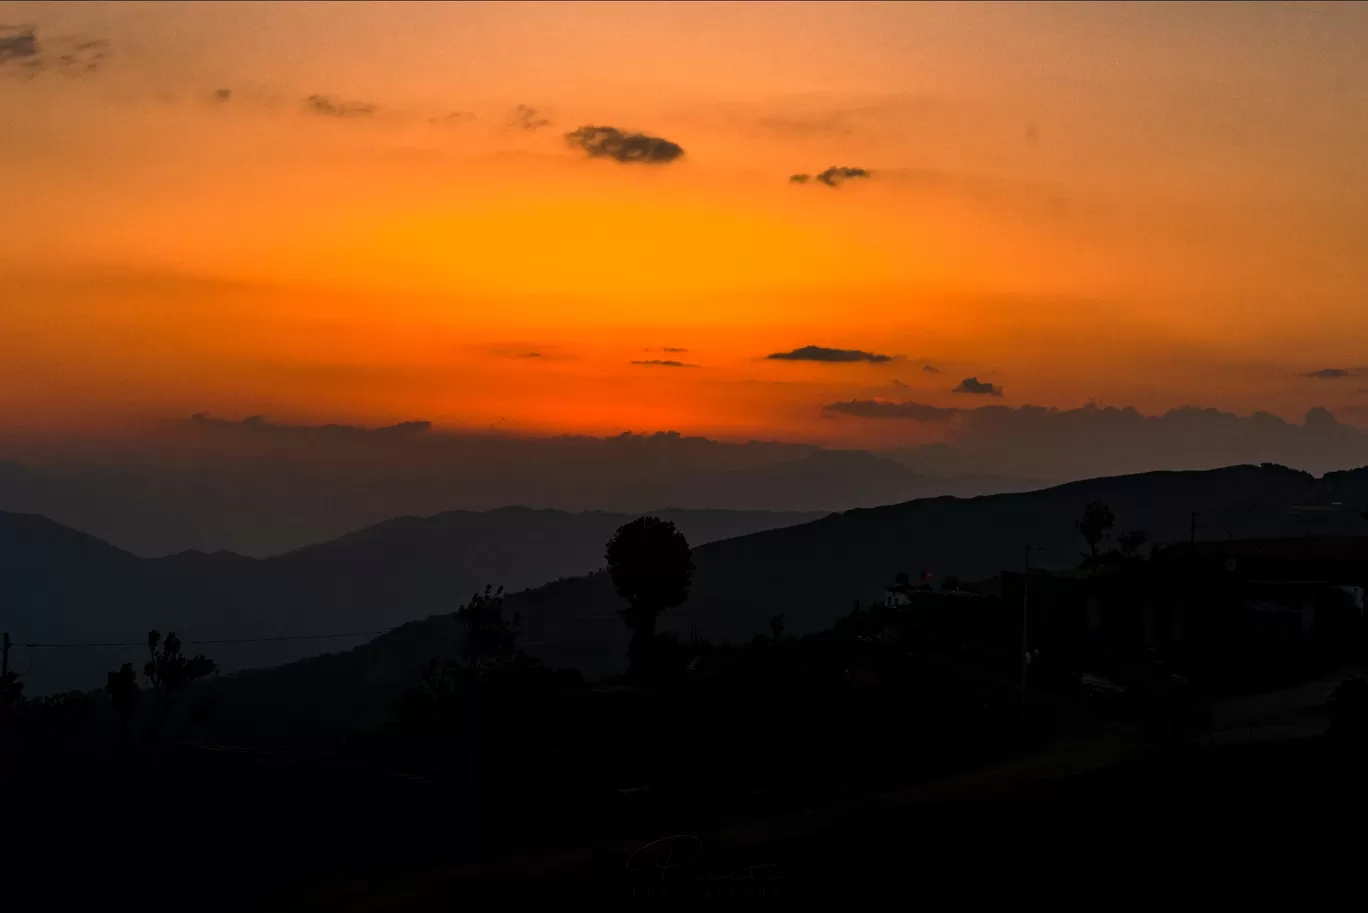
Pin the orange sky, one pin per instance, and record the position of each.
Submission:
(1138, 205)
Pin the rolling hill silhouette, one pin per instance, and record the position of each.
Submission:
(811, 573)
(60, 585)
(65, 585)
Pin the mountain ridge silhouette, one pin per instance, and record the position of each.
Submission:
(398, 572)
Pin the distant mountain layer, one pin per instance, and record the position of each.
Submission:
(60, 584)
(265, 503)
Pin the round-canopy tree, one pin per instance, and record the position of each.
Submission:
(652, 567)
(1096, 525)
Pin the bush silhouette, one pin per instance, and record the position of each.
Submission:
(1131, 542)
(487, 636)
(170, 674)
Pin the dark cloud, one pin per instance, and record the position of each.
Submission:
(525, 351)
(23, 52)
(525, 117)
(835, 175)
(331, 106)
(622, 146)
(664, 363)
(18, 43)
(931, 369)
(897, 384)
(974, 385)
(78, 57)
(917, 412)
(414, 427)
(673, 349)
(222, 94)
(822, 353)
(260, 422)
(832, 177)
(1330, 373)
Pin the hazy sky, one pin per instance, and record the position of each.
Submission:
(341, 213)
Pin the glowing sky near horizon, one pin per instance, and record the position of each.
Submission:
(1148, 205)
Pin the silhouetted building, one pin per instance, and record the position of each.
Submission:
(899, 595)
(1243, 609)
(902, 592)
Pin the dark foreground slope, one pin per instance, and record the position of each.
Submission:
(354, 843)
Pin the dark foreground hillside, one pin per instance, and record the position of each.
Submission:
(442, 761)
(1161, 825)
(304, 841)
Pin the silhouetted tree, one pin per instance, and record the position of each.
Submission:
(1131, 542)
(444, 710)
(777, 626)
(652, 568)
(1094, 526)
(487, 636)
(170, 673)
